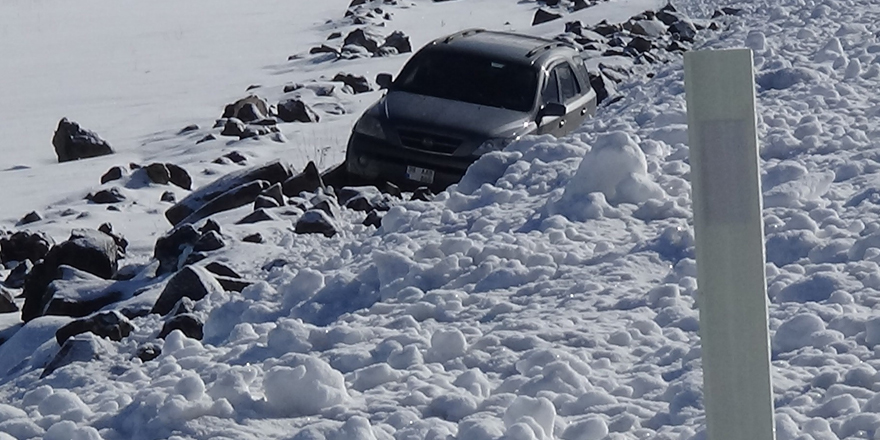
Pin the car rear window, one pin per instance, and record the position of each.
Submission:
(469, 78)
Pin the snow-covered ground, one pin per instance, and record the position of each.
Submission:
(548, 295)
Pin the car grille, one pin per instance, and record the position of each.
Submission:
(428, 142)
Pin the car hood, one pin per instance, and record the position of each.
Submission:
(408, 109)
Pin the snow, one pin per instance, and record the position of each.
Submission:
(551, 294)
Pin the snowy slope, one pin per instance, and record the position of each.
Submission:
(551, 294)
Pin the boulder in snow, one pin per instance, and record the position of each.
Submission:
(25, 245)
(315, 221)
(7, 302)
(309, 181)
(294, 110)
(72, 142)
(111, 325)
(188, 323)
(82, 348)
(358, 84)
(193, 282)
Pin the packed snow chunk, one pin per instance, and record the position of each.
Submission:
(539, 411)
(190, 387)
(67, 430)
(836, 406)
(487, 169)
(8, 412)
(474, 381)
(786, 77)
(302, 287)
(451, 407)
(797, 332)
(815, 288)
(591, 428)
(872, 332)
(285, 387)
(446, 345)
(617, 168)
(756, 40)
(65, 404)
(289, 336)
(480, 429)
(373, 376)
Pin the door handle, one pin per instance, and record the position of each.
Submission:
(583, 111)
(561, 123)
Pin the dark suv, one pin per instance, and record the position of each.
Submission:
(462, 96)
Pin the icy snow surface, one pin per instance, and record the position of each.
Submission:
(549, 295)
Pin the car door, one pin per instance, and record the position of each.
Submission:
(562, 87)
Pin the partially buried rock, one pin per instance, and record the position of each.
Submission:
(260, 215)
(111, 325)
(543, 16)
(210, 225)
(82, 348)
(72, 142)
(315, 221)
(158, 173)
(309, 180)
(265, 202)
(364, 38)
(234, 127)
(256, 237)
(210, 241)
(193, 282)
(294, 110)
(188, 323)
(179, 176)
(18, 274)
(221, 269)
(399, 41)
(169, 197)
(24, 245)
(121, 242)
(7, 302)
(148, 352)
(107, 196)
(358, 84)
(112, 174)
(234, 198)
(247, 109)
(422, 193)
(31, 217)
(374, 218)
(172, 246)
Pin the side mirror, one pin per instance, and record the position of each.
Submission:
(384, 80)
(551, 109)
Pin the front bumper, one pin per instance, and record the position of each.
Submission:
(376, 159)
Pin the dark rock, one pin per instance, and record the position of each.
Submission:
(731, 11)
(210, 241)
(334, 35)
(252, 87)
(158, 173)
(315, 221)
(188, 129)
(325, 203)
(579, 4)
(236, 157)
(188, 323)
(233, 284)
(111, 325)
(399, 41)
(185, 305)
(83, 348)
(222, 270)
(234, 198)
(668, 17)
(194, 258)
(72, 142)
(121, 242)
(392, 189)
(374, 218)
(363, 38)
(683, 30)
(324, 49)
(273, 172)
(208, 137)
(169, 248)
(652, 29)
(24, 245)
(358, 84)
(234, 127)
(677, 46)
(18, 274)
(260, 215)
(169, 197)
(640, 44)
(276, 193)
(309, 180)
(179, 176)
(294, 110)
(7, 302)
(192, 282)
(551, 2)
(263, 202)
(247, 109)
(543, 16)
(107, 196)
(256, 237)
(148, 352)
(114, 173)
(422, 193)
(210, 225)
(31, 217)
(598, 83)
(604, 29)
(575, 27)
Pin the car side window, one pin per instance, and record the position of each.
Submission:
(551, 89)
(567, 83)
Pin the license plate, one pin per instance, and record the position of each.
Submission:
(423, 175)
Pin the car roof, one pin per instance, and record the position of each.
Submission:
(506, 46)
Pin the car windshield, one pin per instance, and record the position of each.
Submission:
(469, 78)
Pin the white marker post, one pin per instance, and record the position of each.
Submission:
(729, 232)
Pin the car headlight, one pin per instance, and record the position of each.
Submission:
(494, 144)
(369, 126)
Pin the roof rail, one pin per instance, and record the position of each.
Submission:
(464, 33)
(545, 47)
